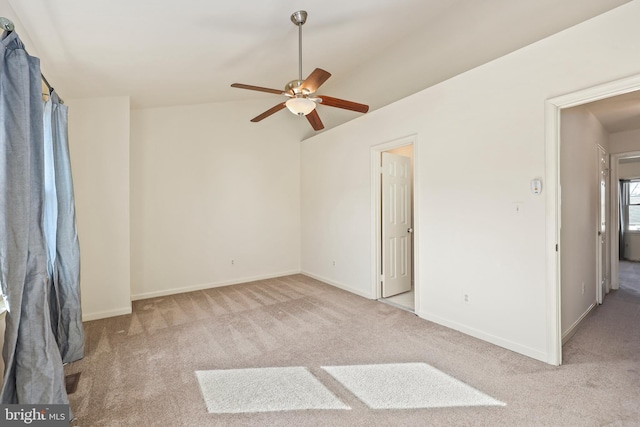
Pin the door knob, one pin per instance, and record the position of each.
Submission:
(409, 230)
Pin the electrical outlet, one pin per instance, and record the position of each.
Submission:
(233, 262)
(333, 262)
(466, 297)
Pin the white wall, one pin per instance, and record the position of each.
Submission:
(581, 133)
(99, 149)
(209, 187)
(632, 246)
(623, 142)
(480, 140)
(629, 170)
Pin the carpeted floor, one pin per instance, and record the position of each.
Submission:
(234, 391)
(407, 386)
(629, 276)
(379, 386)
(140, 369)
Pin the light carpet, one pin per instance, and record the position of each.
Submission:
(406, 386)
(139, 369)
(264, 390)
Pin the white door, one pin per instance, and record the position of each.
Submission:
(396, 224)
(602, 227)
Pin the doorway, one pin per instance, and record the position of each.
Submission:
(625, 216)
(555, 279)
(393, 207)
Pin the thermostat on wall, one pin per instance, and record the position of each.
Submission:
(536, 186)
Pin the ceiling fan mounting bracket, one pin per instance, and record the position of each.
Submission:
(299, 17)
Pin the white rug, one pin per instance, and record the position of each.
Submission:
(407, 385)
(264, 390)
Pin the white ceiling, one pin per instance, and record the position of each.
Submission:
(168, 52)
(619, 113)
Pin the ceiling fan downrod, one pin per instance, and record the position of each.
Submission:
(299, 18)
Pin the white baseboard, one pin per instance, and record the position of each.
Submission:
(501, 342)
(573, 328)
(338, 285)
(165, 292)
(104, 314)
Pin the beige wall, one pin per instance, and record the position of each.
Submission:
(480, 141)
(581, 134)
(209, 188)
(624, 142)
(99, 147)
(629, 170)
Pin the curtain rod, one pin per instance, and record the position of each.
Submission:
(7, 25)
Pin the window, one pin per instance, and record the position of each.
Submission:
(634, 206)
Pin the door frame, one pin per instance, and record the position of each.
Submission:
(602, 250)
(614, 164)
(553, 109)
(376, 215)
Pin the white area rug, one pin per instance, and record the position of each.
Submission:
(264, 390)
(407, 385)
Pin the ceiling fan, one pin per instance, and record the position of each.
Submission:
(302, 93)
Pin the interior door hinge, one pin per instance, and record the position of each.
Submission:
(556, 247)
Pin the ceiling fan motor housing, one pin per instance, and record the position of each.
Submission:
(294, 88)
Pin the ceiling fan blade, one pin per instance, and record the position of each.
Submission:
(258, 88)
(315, 121)
(341, 103)
(269, 112)
(315, 80)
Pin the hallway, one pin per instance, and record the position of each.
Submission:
(629, 277)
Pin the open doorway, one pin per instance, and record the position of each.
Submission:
(584, 166)
(393, 207)
(581, 255)
(626, 214)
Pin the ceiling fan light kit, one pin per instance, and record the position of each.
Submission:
(302, 99)
(300, 106)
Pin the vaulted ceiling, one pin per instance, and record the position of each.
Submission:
(168, 52)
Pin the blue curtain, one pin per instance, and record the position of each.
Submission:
(61, 234)
(31, 351)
